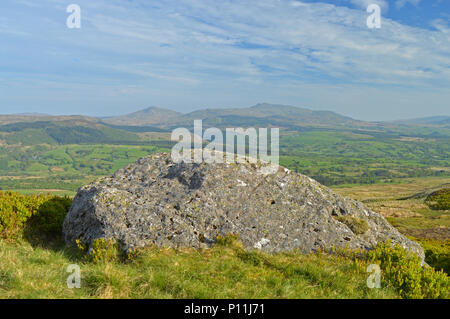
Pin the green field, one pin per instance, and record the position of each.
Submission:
(64, 168)
(332, 157)
(345, 157)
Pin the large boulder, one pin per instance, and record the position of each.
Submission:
(158, 202)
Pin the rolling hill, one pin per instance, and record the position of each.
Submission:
(147, 117)
(73, 130)
(30, 129)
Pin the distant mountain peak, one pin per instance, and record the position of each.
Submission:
(261, 114)
(265, 105)
(153, 109)
(152, 115)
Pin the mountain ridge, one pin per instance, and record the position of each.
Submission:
(287, 117)
(260, 114)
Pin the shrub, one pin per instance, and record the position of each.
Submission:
(439, 200)
(43, 213)
(50, 216)
(402, 270)
(15, 210)
(101, 250)
(227, 240)
(437, 253)
(358, 226)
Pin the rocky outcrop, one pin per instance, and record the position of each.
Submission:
(157, 202)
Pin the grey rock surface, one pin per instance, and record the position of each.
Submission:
(157, 202)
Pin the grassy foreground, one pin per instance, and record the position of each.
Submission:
(34, 263)
(221, 272)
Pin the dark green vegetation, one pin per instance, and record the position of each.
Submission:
(437, 253)
(34, 266)
(63, 132)
(403, 271)
(62, 154)
(439, 200)
(21, 215)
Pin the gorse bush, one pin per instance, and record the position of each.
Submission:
(15, 210)
(402, 270)
(228, 240)
(101, 250)
(439, 200)
(50, 215)
(437, 253)
(44, 213)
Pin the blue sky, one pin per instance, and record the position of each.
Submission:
(190, 54)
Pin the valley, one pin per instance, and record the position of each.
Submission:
(391, 167)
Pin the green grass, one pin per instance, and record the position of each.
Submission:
(28, 271)
(33, 264)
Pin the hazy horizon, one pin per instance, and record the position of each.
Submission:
(197, 109)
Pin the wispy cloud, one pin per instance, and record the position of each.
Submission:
(174, 45)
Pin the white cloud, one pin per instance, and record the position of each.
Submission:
(263, 40)
(226, 46)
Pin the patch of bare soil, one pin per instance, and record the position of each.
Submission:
(438, 233)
